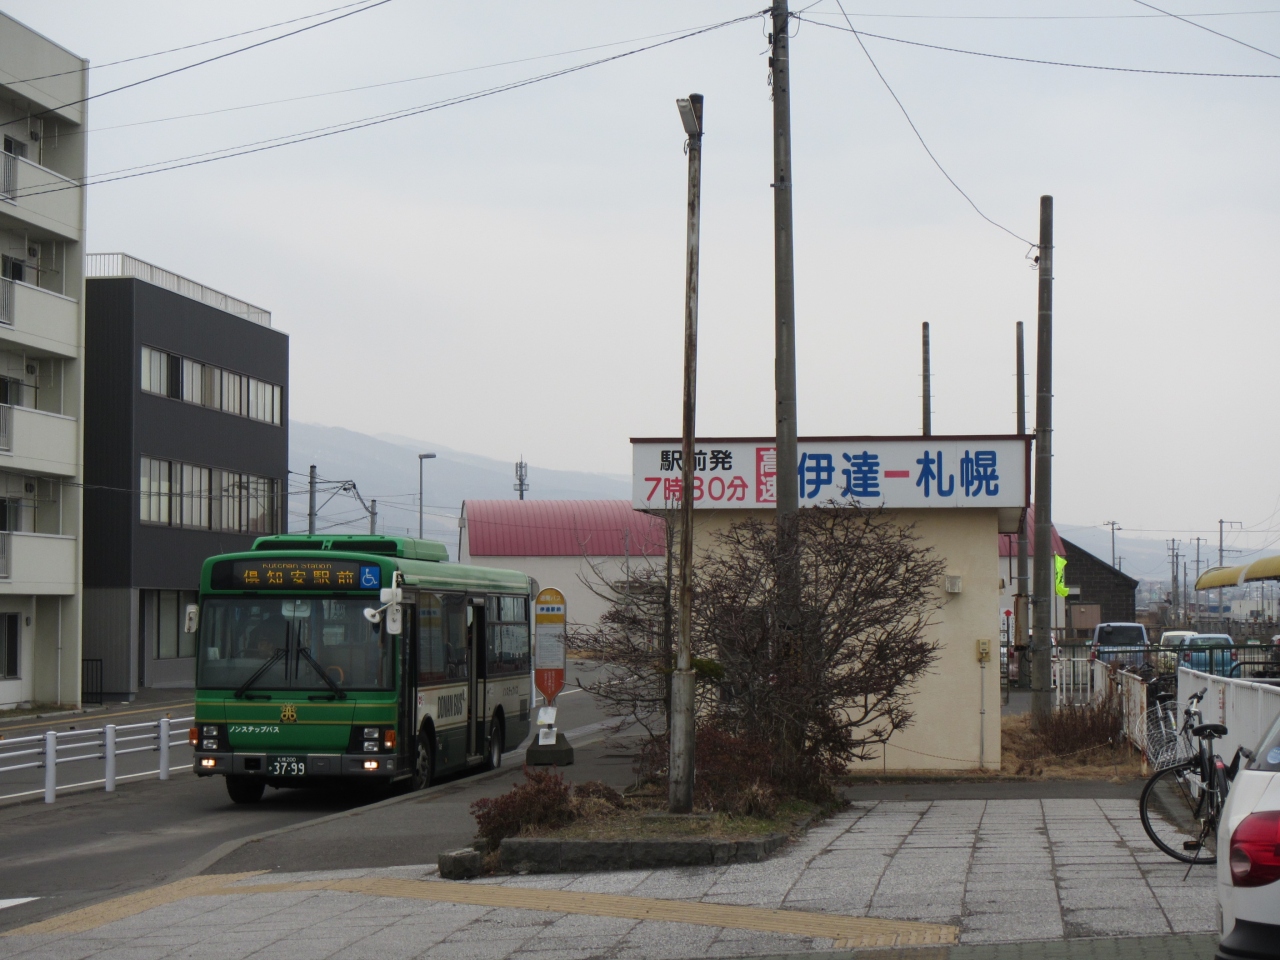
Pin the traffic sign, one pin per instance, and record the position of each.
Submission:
(548, 635)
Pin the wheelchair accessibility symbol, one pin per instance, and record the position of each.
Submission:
(370, 578)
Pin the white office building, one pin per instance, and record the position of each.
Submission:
(43, 122)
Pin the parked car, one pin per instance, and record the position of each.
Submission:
(1168, 659)
(1119, 643)
(1211, 653)
(1249, 875)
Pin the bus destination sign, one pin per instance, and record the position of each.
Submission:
(305, 575)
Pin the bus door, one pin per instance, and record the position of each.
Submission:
(407, 710)
(475, 682)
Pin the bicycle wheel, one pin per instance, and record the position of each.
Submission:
(1180, 815)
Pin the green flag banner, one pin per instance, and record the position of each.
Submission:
(1059, 575)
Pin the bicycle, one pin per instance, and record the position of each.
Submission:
(1181, 803)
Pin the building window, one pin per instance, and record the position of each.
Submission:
(10, 640)
(155, 371)
(191, 490)
(169, 375)
(154, 490)
(171, 642)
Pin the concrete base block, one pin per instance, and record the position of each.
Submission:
(558, 755)
(461, 864)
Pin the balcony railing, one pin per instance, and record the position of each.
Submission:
(6, 427)
(122, 265)
(4, 556)
(8, 175)
(6, 298)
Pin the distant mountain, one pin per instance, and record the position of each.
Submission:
(385, 468)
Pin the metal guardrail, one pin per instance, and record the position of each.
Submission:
(122, 265)
(47, 750)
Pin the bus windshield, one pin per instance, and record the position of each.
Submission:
(303, 639)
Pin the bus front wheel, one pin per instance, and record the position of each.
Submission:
(245, 789)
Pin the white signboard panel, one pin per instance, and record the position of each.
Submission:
(923, 472)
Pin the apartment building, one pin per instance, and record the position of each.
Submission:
(186, 456)
(43, 124)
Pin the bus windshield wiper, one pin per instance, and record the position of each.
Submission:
(337, 690)
(271, 661)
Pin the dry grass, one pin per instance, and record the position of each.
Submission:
(1025, 754)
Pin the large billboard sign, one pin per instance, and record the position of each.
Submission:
(982, 472)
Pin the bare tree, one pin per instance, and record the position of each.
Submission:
(815, 685)
(831, 681)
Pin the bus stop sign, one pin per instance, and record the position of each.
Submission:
(548, 637)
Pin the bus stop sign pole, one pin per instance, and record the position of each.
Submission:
(551, 747)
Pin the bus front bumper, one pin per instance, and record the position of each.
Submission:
(208, 764)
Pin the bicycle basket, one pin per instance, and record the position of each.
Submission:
(1165, 746)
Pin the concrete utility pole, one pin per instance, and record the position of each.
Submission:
(784, 287)
(421, 457)
(1041, 633)
(1198, 541)
(680, 798)
(1221, 559)
(1020, 604)
(1173, 580)
(927, 393)
(1113, 525)
(522, 476)
(373, 517)
(311, 500)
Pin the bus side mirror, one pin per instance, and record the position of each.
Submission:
(192, 622)
(395, 620)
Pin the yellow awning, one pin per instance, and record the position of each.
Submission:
(1220, 577)
(1268, 568)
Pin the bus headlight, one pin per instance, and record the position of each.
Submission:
(371, 733)
(371, 746)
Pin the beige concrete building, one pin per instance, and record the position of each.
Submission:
(42, 166)
(959, 493)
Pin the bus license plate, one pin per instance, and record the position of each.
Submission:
(286, 767)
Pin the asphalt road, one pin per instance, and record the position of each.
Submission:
(91, 845)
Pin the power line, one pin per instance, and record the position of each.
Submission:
(374, 86)
(1047, 63)
(200, 63)
(1201, 26)
(360, 124)
(916, 131)
(189, 46)
(1051, 16)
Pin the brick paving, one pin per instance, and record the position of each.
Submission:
(1047, 878)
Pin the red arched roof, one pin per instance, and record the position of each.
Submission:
(561, 528)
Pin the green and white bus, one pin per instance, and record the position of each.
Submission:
(340, 659)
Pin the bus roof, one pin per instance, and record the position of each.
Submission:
(424, 563)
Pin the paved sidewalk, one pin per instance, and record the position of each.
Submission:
(886, 873)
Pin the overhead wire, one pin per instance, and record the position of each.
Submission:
(199, 63)
(1051, 16)
(920, 137)
(1049, 63)
(189, 46)
(1201, 26)
(374, 86)
(317, 133)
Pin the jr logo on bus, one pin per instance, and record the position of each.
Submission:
(450, 706)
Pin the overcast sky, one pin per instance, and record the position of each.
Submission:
(506, 276)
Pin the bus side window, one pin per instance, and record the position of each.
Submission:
(432, 667)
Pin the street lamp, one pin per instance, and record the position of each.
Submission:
(421, 457)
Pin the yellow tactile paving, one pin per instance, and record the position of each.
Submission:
(87, 918)
(847, 932)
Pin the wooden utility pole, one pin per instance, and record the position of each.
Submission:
(1041, 633)
(784, 288)
(927, 394)
(680, 798)
(1020, 602)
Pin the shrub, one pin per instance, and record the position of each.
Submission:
(541, 801)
